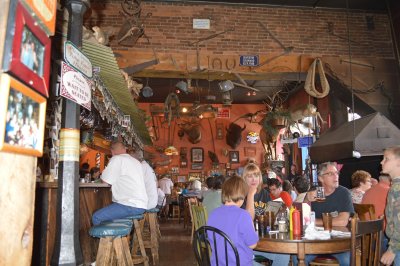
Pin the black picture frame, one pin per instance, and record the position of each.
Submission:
(197, 155)
(234, 157)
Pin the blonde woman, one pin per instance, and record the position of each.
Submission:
(256, 203)
(257, 197)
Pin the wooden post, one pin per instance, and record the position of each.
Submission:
(67, 250)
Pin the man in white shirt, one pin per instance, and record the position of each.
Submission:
(150, 179)
(166, 184)
(125, 175)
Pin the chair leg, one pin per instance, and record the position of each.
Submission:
(122, 251)
(138, 243)
(104, 252)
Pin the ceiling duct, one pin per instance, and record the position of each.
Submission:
(372, 135)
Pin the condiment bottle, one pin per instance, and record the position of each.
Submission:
(291, 218)
(296, 222)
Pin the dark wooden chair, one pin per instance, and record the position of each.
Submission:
(365, 211)
(369, 234)
(205, 247)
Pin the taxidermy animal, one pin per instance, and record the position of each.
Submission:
(133, 87)
(192, 129)
(234, 135)
(308, 110)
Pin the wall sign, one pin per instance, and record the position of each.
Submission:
(223, 112)
(249, 60)
(75, 58)
(75, 86)
(201, 24)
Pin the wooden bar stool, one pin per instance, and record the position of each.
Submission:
(137, 240)
(151, 233)
(113, 243)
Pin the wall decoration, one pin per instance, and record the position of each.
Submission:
(45, 12)
(253, 137)
(197, 166)
(233, 156)
(181, 178)
(183, 163)
(174, 170)
(27, 51)
(220, 130)
(250, 151)
(194, 175)
(22, 118)
(197, 155)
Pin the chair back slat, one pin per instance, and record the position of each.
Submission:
(205, 246)
(199, 216)
(369, 233)
(365, 211)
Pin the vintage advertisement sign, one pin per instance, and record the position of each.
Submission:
(69, 145)
(75, 58)
(249, 60)
(44, 12)
(223, 112)
(75, 86)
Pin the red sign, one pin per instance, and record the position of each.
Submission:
(223, 112)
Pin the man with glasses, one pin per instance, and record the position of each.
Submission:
(337, 202)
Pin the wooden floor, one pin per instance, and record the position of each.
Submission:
(175, 247)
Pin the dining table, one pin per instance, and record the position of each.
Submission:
(287, 243)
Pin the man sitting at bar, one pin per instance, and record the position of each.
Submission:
(125, 175)
(150, 178)
(337, 201)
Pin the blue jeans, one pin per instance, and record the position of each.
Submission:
(278, 259)
(343, 258)
(115, 211)
(396, 261)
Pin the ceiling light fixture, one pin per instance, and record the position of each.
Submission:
(182, 86)
(226, 85)
(147, 91)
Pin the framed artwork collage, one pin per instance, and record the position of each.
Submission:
(24, 80)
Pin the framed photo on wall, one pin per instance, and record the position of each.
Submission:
(27, 51)
(44, 12)
(22, 117)
(233, 156)
(197, 155)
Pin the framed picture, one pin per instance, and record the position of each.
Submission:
(22, 118)
(27, 51)
(44, 12)
(197, 166)
(183, 163)
(197, 155)
(194, 175)
(233, 156)
(250, 151)
(181, 178)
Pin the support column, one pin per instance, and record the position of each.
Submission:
(67, 249)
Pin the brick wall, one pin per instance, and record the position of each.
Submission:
(170, 29)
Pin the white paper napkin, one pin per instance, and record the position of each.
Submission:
(313, 232)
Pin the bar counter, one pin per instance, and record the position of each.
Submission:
(92, 196)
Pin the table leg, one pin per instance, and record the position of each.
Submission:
(301, 254)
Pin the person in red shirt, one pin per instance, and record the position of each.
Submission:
(377, 194)
(275, 190)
